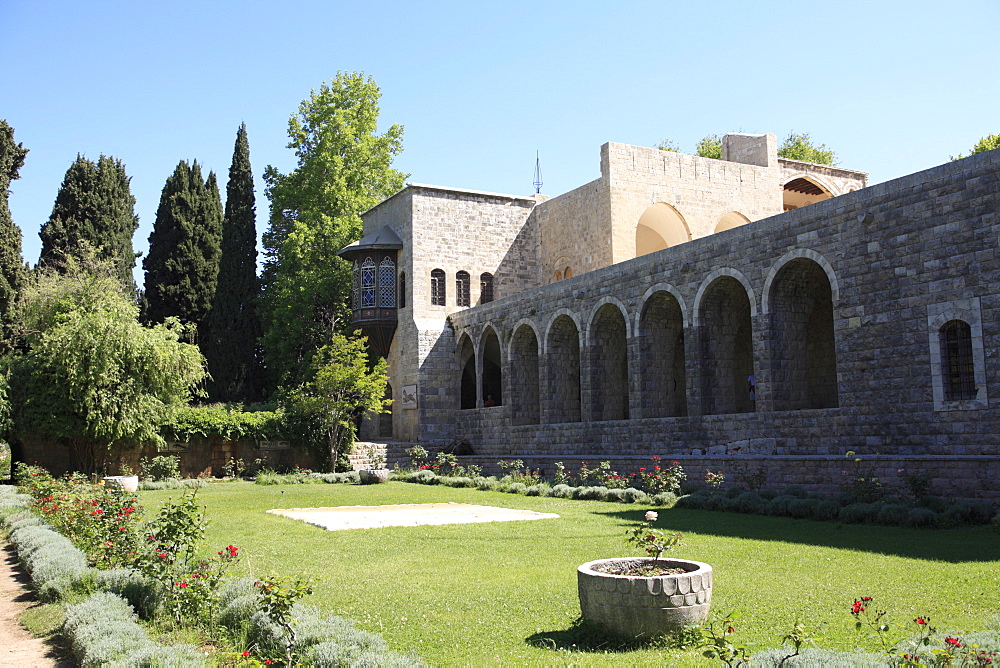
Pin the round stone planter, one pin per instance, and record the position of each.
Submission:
(128, 483)
(373, 476)
(644, 607)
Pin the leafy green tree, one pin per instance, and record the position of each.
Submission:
(12, 271)
(801, 147)
(93, 377)
(987, 143)
(710, 147)
(231, 351)
(95, 205)
(182, 266)
(327, 408)
(344, 167)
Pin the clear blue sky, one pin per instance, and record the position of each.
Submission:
(894, 87)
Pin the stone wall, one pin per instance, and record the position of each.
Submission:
(895, 257)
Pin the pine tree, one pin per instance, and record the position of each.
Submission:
(232, 359)
(182, 265)
(12, 271)
(95, 206)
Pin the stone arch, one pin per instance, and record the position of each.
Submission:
(803, 360)
(522, 354)
(559, 267)
(660, 226)
(711, 278)
(660, 340)
(801, 189)
(467, 373)
(731, 220)
(724, 309)
(492, 368)
(806, 254)
(604, 301)
(562, 360)
(607, 342)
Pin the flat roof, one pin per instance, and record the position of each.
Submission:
(462, 191)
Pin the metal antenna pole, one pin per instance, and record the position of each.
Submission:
(538, 174)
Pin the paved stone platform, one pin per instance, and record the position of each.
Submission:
(406, 515)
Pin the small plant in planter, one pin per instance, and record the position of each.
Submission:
(376, 471)
(644, 597)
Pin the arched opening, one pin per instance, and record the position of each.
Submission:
(485, 288)
(661, 347)
(524, 376)
(558, 276)
(731, 220)
(467, 363)
(727, 348)
(492, 371)
(438, 290)
(463, 284)
(568, 272)
(659, 227)
(385, 419)
(609, 365)
(563, 360)
(957, 364)
(803, 191)
(804, 356)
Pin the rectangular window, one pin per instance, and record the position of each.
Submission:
(437, 288)
(462, 284)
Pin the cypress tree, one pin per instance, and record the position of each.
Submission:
(232, 349)
(94, 206)
(182, 265)
(12, 271)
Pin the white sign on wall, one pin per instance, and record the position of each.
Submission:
(409, 397)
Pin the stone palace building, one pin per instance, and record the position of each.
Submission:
(751, 310)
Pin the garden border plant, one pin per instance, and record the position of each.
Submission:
(162, 573)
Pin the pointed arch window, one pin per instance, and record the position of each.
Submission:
(462, 285)
(368, 283)
(485, 288)
(438, 294)
(387, 283)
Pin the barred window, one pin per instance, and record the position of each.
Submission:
(462, 285)
(485, 288)
(957, 365)
(438, 295)
(368, 283)
(387, 283)
(402, 290)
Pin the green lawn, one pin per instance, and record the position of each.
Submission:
(485, 594)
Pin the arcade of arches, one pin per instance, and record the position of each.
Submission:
(565, 370)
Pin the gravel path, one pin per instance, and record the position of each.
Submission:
(18, 648)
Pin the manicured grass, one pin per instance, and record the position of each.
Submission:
(505, 593)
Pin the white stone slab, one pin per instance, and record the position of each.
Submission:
(407, 515)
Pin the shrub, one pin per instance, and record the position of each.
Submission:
(541, 489)
(750, 502)
(778, 506)
(811, 656)
(488, 484)
(103, 631)
(516, 488)
(665, 499)
(921, 517)
(768, 494)
(337, 478)
(825, 509)
(935, 503)
(968, 512)
(696, 501)
(633, 495)
(797, 492)
(802, 508)
(591, 493)
(459, 481)
(139, 591)
(160, 468)
(55, 565)
(893, 514)
(562, 491)
(859, 513)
